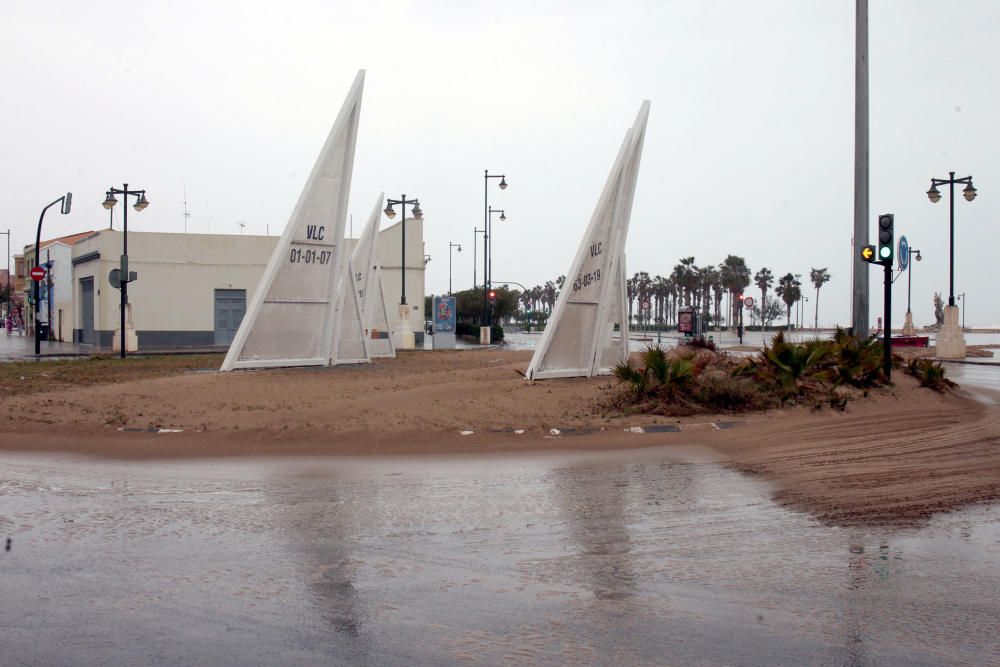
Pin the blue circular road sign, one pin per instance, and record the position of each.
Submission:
(904, 253)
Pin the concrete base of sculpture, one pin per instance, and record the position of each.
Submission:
(404, 339)
(908, 328)
(131, 339)
(484, 335)
(951, 338)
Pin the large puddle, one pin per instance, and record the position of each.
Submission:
(635, 558)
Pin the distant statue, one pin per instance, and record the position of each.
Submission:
(938, 308)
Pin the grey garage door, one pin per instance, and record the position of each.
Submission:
(230, 306)
(87, 311)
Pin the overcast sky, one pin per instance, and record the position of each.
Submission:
(749, 148)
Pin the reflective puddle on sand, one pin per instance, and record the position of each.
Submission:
(634, 558)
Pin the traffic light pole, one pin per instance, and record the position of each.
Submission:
(887, 317)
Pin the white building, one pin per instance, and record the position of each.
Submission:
(55, 307)
(192, 289)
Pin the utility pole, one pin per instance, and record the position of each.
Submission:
(859, 295)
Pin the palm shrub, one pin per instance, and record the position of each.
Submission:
(793, 368)
(659, 374)
(930, 374)
(855, 361)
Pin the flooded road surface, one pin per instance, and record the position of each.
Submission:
(631, 558)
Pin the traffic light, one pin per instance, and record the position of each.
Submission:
(885, 237)
(492, 296)
(869, 253)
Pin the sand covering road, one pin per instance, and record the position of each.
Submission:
(897, 457)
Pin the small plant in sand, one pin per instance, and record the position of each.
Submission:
(930, 374)
(659, 374)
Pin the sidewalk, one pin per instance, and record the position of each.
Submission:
(22, 348)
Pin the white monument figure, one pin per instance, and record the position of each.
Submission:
(366, 277)
(291, 320)
(578, 337)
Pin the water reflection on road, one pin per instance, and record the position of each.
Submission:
(633, 558)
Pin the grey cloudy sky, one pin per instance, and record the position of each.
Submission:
(749, 148)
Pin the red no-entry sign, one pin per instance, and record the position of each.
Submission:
(37, 273)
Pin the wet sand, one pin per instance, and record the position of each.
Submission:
(897, 457)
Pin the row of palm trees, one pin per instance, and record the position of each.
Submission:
(656, 299)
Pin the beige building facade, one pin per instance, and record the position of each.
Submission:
(192, 289)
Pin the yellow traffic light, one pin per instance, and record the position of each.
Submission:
(868, 253)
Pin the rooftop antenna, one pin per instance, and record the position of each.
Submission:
(187, 213)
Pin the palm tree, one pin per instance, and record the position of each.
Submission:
(818, 278)
(764, 279)
(685, 277)
(735, 277)
(788, 290)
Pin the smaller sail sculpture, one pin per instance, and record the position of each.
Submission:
(292, 318)
(578, 339)
(366, 277)
(350, 341)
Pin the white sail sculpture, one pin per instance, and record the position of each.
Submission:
(292, 318)
(578, 339)
(350, 343)
(366, 277)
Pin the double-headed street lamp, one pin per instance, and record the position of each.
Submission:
(970, 193)
(125, 277)
(66, 202)
(450, 246)
(486, 319)
(417, 215)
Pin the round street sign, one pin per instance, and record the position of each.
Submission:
(904, 253)
(37, 273)
(645, 305)
(748, 301)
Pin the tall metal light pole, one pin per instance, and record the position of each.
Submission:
(965, 306)
(9, 295)
(859, 292)
(450, 246)
(486, 318)
(909, 277)
(125, 277)
(67, 202)
(475, 245)
(503, 216)
(969, 193)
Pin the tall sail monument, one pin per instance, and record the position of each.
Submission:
(292, 317)
(578, 339)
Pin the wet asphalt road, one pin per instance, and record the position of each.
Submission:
(635, 558)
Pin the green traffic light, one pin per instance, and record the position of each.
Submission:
(885, 252)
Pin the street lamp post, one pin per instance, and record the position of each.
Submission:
(475, 244)
(951, 340)
(125, 277)
(911, 255)
(66, 202)
(9, 295)
(965, 306)
(404, 309)
(486, 318)
(969, 193)
(450, 246)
